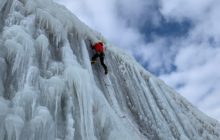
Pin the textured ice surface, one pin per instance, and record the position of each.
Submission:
(49, 91)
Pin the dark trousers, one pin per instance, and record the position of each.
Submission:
(101, 56)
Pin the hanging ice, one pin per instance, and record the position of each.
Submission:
(49, 91)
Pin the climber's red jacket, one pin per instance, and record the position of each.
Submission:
(98, 47)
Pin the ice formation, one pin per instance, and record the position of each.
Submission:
(49, 91)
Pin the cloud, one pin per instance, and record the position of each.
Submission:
(117, 20)
(197, 76)
(188, 59)
(179, 9)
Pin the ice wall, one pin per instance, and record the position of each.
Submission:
(49, 91)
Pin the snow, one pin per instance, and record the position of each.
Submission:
(50, 91)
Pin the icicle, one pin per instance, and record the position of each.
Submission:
(32, 78)
(3, 70)
(13, 125)
(42, 124)
(57, 103)
(43, 53)
(69, 120)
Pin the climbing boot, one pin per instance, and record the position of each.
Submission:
(106, 71)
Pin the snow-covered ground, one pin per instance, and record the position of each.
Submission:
(49, 90)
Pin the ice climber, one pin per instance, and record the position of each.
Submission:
(99, 52)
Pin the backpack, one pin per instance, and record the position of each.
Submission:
(98, 47)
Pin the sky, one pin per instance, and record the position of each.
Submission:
(178, 41)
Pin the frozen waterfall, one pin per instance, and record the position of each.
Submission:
(49, 91)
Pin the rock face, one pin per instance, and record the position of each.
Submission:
(50, 91)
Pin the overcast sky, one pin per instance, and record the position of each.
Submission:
(179, 41)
